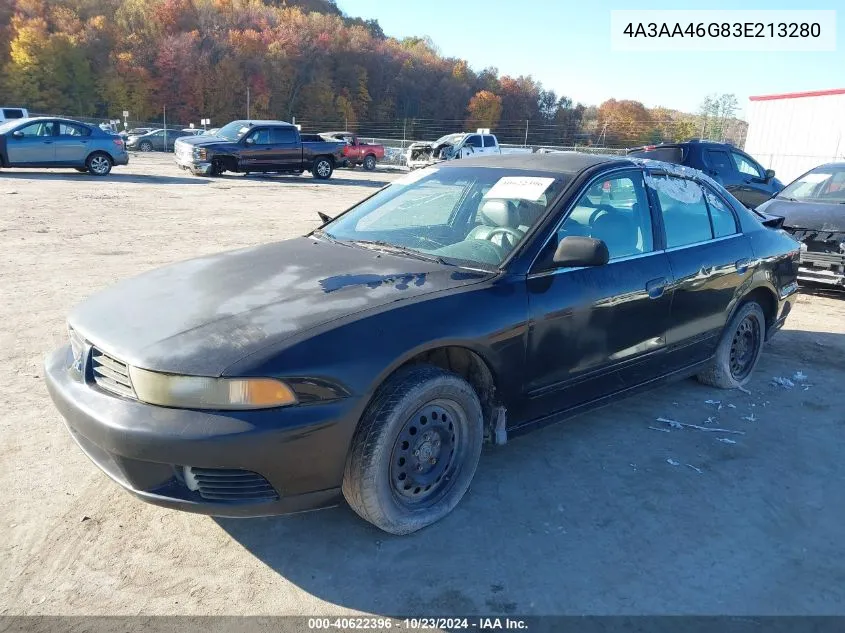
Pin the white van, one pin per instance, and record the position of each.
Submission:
(12, 113)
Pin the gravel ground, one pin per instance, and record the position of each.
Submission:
(586, 517)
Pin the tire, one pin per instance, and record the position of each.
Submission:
(99, 164)
(145, 146)
(739, 350)
(370, 163)
(397, 474)
(216, 168)
(323, 168)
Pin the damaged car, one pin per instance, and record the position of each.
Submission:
(812, 209)
(460, 145)
(371, 359)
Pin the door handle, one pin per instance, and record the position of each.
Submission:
(705, 271)
(741, 265)
(656, 287)
(48, 142)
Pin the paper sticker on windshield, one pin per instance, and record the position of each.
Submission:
(815, 178)
(519, 188)
(415, 176)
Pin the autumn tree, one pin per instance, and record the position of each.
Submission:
(485, 110)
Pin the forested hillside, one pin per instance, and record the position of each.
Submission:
(303, 59)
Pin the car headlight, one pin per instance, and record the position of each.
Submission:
(200, 153)
(197, 392)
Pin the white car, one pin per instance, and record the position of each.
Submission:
(460, 145)
(9, 113)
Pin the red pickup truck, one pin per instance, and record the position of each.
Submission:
(356, 152)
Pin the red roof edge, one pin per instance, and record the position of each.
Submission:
(798, 95)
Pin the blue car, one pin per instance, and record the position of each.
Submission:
(49, 142)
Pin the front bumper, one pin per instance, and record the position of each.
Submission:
(300, 451)
(825, 268)
(197, 168)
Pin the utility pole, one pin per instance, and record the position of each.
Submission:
(526, 133)
(404, 127)
(247, 102)
(164, 120)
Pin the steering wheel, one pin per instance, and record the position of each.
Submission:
(602, 207)
(504, 230)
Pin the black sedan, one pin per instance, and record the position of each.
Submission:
(813, 212)
(372, 358)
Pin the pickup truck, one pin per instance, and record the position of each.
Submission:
(258, 146)
(357, 152)
(459, 145)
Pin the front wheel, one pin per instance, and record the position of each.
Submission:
(415, 450)
(99, 164)
(739, 349)
(370, 163)
(145, 146)
(323, 168)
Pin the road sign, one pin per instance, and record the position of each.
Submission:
(126, 114)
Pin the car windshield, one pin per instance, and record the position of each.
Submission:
(233, 131)
(459, 215)
(449, 138)
(8, 125)
(823, 184)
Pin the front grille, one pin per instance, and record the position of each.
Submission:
(111, 374)
(219, 484)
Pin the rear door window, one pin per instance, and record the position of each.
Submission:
(69, 129)
(12, 113)
(685, 216)
(721, 215)
(284, 136)
(720, 161)
(489, 141)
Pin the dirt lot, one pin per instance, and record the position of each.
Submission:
(584, 517)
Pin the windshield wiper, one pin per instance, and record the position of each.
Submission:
(401, 250)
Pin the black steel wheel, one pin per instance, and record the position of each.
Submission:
(415, 450)
(739, 349)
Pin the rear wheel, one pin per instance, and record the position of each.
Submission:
(415, 451)
(739, 350)
(145, 146)
(323, 168)
(370, 163)
(99, 164)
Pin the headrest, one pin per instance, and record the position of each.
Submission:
(529, 212)
(499, 213)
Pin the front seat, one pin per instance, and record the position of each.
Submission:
(618, 232)
(495, 214)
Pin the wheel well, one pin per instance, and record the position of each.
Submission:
(327, 156)
(99, 151)
(766, 299)
(472, 368)
(370, 154)
(229, 162)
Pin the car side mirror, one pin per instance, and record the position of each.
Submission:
(17, 134)
(770, 174)
(575, 250)
(250, 141)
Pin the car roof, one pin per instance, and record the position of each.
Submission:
(564, 162)
(254, 122)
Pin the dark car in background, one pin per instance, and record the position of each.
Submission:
(813, 212)
(372, 358)
(155, 141)
(53, 142)
(732, 168)
(259, 146)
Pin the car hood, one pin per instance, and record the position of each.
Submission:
(200, 316)
(807, 215)
(203, 141)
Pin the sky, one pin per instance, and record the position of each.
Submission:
(566, 46)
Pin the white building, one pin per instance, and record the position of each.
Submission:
(792, 133)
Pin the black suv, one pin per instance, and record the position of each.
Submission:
(735, 170)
